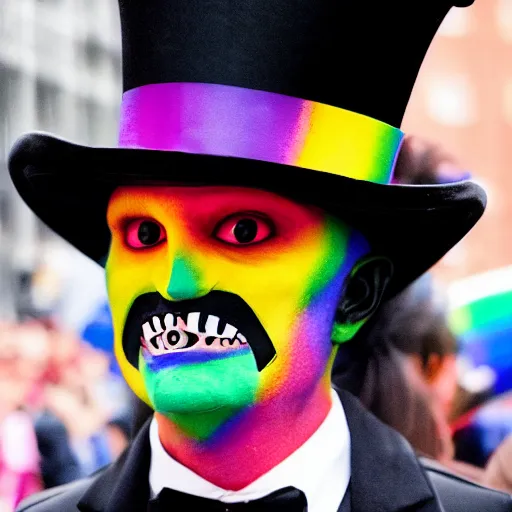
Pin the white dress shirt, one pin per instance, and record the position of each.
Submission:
(320, 468)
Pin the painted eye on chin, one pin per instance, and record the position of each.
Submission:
(243, 229)
(144, 233)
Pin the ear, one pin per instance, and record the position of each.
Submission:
(364, 289)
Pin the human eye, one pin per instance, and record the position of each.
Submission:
(144, 233)
(244, 229)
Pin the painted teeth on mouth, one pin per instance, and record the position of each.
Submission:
(161, 335)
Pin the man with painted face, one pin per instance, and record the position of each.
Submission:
(248, 228)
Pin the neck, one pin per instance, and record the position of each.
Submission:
(246, 444)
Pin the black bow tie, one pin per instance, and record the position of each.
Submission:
(288, 499)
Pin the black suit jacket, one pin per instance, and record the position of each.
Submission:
(59, 465)
(386, 476)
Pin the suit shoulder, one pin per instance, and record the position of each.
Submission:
(63, 498)
(458, 494)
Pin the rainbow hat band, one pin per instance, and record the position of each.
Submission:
(232, 121)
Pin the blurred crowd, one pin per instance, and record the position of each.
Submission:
(63, 411)
(405, 368)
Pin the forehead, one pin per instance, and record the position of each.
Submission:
(176, 200)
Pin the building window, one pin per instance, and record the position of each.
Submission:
(457, 23)
(4, 108)
(103, 124)
(450, 100)
(93, 52)
(47, 101)
(5, 209)
(82, 128)
(10, 96)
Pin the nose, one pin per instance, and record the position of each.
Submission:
(185, 281)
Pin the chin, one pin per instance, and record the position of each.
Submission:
(229, 384)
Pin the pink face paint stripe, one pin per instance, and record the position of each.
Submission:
(232, 121)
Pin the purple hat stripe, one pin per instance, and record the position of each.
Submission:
(219, 120)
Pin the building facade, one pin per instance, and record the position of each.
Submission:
(60, 71)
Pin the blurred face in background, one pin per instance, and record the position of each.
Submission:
(24, 355)
(437, 365)
(65, 348)
(34, 351)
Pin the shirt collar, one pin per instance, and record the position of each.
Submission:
(320, 468)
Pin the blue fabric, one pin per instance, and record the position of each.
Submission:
(99, 333)
(491, 347)
(101, 450)
(59, 464)
(484, 430)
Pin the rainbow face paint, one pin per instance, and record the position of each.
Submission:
(217, 333)
(223, 120)
(223, 300)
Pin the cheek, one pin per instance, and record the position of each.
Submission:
(278, 280)
(130, 274)
(313, 329)
(304, 347)
(127, 278)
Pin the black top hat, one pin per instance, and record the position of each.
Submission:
(301, 97)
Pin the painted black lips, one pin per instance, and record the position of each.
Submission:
(220, 319)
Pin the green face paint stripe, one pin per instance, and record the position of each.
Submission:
(201, 428)
(191, 384)
(185, 280)
(336, 238)
(345, 332)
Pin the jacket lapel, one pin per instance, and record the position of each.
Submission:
(385, 474)
(345, 505)
(123, 485)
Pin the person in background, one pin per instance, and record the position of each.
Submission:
(423, 162)
(59, 463)
(55, 409)
(78, 400)
(118, 432)
(430, 347)
(394, 366)
(71, 404)
(402, 365)
(406, 371)
(480, 447)
(498, 472)
(19, 457)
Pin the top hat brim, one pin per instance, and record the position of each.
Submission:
(68, 187)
